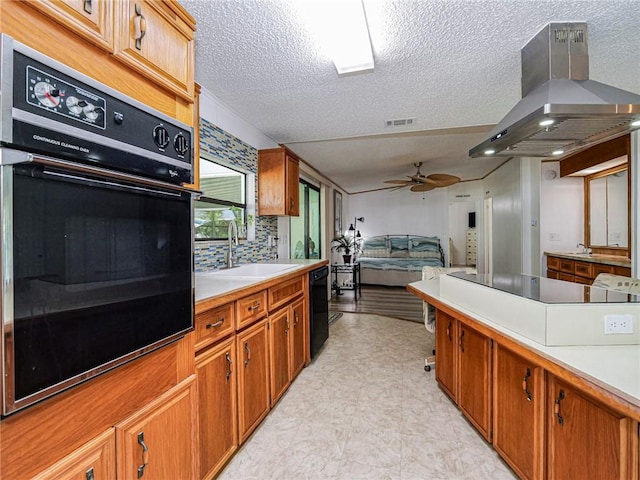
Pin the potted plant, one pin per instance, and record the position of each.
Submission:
(346, 245)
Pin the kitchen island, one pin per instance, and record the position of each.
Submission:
(550, 411)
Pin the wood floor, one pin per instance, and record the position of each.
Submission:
(393, 302)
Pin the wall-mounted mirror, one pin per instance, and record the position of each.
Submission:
(607, 209)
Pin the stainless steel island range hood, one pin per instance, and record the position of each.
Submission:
(561, 109)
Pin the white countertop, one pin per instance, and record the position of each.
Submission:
(615, 368)
(208, 286)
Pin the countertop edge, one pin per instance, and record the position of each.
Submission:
(593, 258)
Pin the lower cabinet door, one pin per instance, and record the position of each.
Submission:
(585, 439)
(279, 351)
(217, 406)
(518, 410)
(96, 460)
(298, 337)
(157, 442)
(446, 349)
(474, 378)
(253, 377)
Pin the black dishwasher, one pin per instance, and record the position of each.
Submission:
(318, 309)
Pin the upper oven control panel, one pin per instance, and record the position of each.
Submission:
(59, 112)
(56, 95)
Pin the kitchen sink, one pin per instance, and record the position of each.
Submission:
(254, 270)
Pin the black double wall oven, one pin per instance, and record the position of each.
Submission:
(96, 227)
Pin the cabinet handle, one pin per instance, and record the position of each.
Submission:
(216, 324)
(230, 363)
(461, 342)
(248, 359)
(291, 203)
(449, 331)
(525, 387)
(556, 408)
(145, 454)
(255, 306)
(140, 25)
(295, 318)
(89, 474)
(87, 9)
(286, 330)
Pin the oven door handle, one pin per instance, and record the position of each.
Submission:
(90, 170)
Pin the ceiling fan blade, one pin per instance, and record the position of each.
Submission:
(404, 182)
(399, 187)
(443, 179)
(422, 187)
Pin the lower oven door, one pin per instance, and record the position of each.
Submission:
(96, 271)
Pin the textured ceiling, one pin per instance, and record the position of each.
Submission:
(454, 65)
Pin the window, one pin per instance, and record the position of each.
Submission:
(224, 191)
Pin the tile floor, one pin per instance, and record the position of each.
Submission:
(366, 409)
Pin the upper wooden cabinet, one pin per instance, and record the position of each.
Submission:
(278, 178)
(152, 37)
(155, 38)
(91, 19)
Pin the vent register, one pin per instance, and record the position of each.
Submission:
(556, 88)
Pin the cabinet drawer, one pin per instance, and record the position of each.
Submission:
(250, 308)
(553, 263)
(566, 277)
(214, 324)
(583, 280)
(598, 268)
(471, 234)
(624, 271)
(567, 266)
(285, 291)
(583, 269)
(553, 274)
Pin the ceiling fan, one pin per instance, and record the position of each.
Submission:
(422, 183)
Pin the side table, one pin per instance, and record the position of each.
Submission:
(346, 277)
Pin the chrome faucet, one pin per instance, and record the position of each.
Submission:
(232, 234)
(585, 250)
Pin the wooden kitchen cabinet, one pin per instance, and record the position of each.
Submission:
(155, 38)
(213, 325)
(474, 377)
(278, 178)
(250, 308)
(253, 377)
(446, 353)
(280, 352)
(518, 413)
(580, 271)
(585, 439)
(96, 460)
(298, 337)
(157, 442)
(91, 19)
(216, 375)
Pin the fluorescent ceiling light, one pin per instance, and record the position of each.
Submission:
(340, 26)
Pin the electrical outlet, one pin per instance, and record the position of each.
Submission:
(618, 324)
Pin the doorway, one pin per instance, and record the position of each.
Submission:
(305, 229)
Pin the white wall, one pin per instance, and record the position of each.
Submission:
(214, 110)
(561, 210)
(401, 212)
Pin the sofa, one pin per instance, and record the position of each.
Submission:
(396, 260)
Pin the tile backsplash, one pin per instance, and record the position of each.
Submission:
(209, 255)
